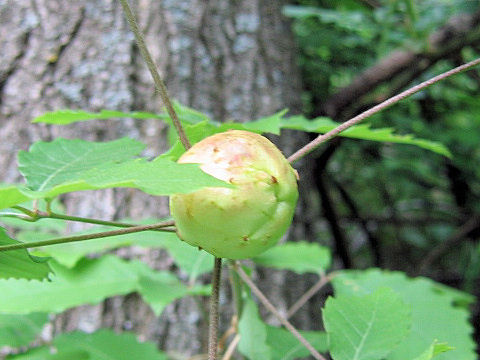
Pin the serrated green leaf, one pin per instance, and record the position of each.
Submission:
(434, 350)
(364, 131)
(158, 177)
(253, 333)
(68, 116)
(19, 264)
(72, 165)
(21, 330)
(11, 195)
(91, 281)
(65, 117)
(300, 257)
(63, 161)
(101, 345)
(187, 114)
(195, 133)
(438, 312)
(365, 327)
(268, 124)
(69, 254)
(285, 346)
(204, 127)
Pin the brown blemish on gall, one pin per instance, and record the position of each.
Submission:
(274, 180)
(188, 210)
(245, 238)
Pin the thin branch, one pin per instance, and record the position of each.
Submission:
(38, 215)
(459, 32)
(152, 67)
(68, 239)
(382, 106)
(276, 313)
(17, 216)
(26, 211)
(233, 329)
(231, 348)
(53, 215)
(324, 280)
(213, 323)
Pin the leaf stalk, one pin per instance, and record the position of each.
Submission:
(34, 216)
(214, 313)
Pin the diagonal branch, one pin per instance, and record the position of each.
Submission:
(324, 280)
(382, 106)
(33, 216)
(276, 313)
(459, 32)
(152, 67)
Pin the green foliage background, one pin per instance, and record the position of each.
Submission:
(412, 189)
(411, 200)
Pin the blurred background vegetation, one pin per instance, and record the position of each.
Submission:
(393, 206)
(397, 206)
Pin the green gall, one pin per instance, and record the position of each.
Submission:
(243, 221)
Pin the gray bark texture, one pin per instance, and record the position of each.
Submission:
(230, 59)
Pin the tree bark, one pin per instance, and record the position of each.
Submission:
(230, 59)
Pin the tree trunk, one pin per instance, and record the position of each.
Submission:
(230, 59)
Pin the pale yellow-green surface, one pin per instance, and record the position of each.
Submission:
(244, 221)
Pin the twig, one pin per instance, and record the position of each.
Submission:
(213, 323)
(387, 103)
(68, 239)
(38, 215)
(231, 348)
(17, 216)
(159, 84)
(275, 312)
(233, 329)
(324, 280)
